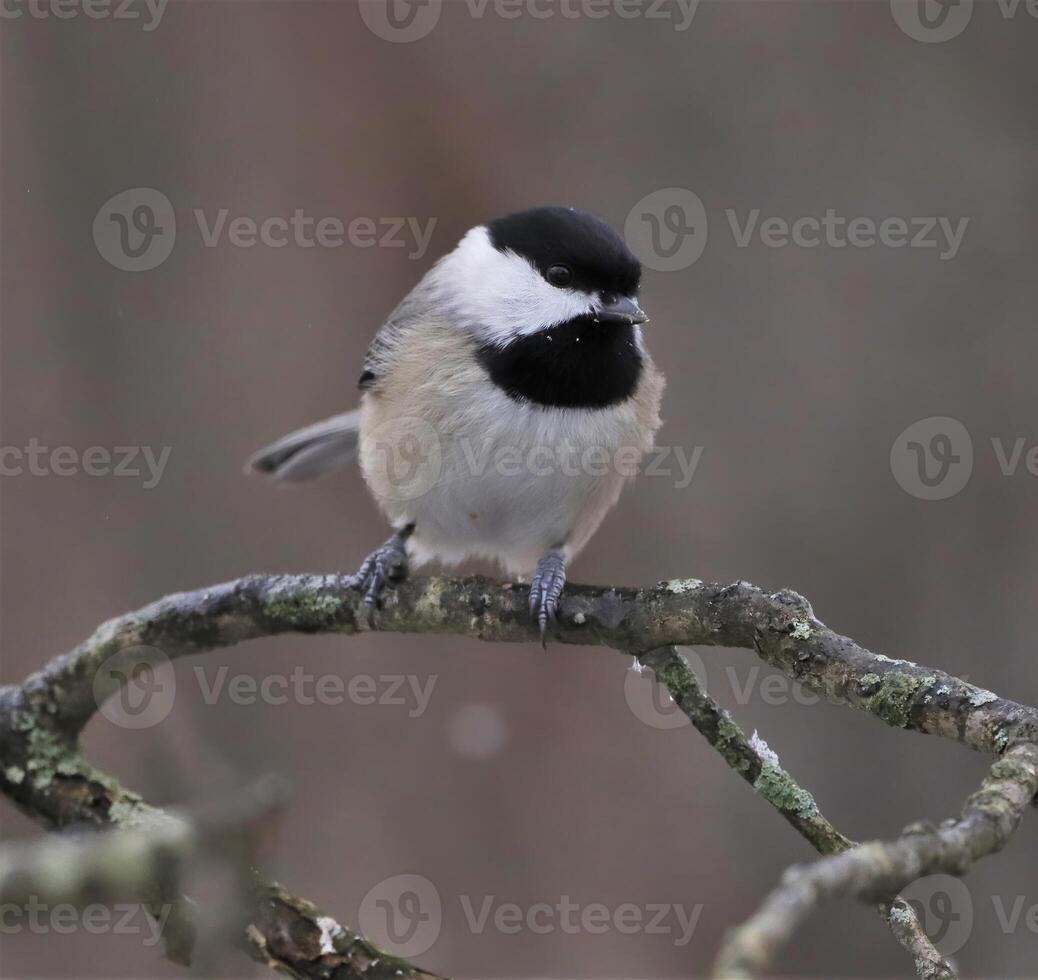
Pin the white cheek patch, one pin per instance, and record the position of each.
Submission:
(499, 295)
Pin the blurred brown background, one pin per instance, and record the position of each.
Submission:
(529, 777)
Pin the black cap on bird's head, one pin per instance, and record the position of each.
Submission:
(574, 250)
(550, 297)
(532, 271)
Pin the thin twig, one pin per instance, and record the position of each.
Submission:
(878, 870)
(782, 791)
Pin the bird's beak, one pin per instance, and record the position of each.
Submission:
(620, 310)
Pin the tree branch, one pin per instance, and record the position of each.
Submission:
(751, 759)
(133, 864)
(40, 721)
(42, 770)
(780, 627)
(878, 870)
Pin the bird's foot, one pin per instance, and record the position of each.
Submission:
(546, 588)
(386, 565)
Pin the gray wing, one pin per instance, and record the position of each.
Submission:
(311, 452)
(329, 445)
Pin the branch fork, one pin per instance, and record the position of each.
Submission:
(44, 773)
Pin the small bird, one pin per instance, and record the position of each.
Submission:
(505, 402)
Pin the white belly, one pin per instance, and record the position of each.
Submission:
(481, 475)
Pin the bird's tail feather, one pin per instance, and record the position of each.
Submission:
(311, 452)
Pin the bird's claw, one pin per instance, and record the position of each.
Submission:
(545, 590)
(385, 566)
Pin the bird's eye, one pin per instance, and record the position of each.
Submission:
(560, 275)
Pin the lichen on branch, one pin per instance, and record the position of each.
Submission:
(43, 772)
